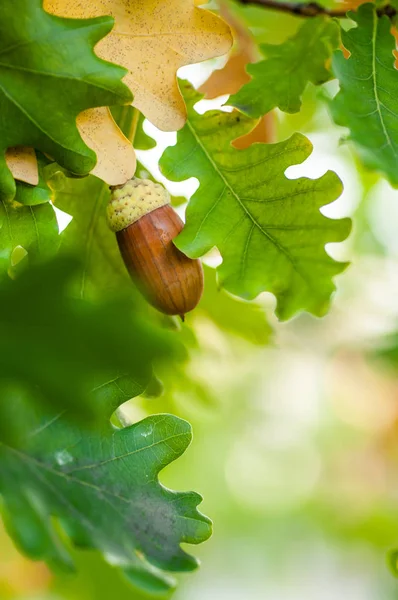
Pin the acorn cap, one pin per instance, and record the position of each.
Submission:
(136, 198)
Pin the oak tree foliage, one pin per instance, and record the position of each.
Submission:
(77, 341)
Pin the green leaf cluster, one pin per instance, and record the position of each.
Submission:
(49, 73)
(46, 334)
(76, 341)
(104, 491)
(101, 484)
(269, 229)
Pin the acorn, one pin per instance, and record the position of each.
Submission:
(146, 225)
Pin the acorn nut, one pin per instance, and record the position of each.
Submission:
(145, 225)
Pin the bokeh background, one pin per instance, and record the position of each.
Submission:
(295, 424)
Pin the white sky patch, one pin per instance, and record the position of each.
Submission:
(63, 219)
(199, 73)
(205, 105)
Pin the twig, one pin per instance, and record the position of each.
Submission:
(313, 9)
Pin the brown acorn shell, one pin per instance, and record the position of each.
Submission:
(170, 281)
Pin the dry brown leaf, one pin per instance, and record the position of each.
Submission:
(153, 39)
(232, 76)
(22, 163)
(116, 161)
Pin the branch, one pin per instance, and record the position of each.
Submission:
(313, 9)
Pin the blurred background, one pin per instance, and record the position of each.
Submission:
(295, 424)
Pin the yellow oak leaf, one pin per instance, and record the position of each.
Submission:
(153, 39)
(116, 161)
(22, 163)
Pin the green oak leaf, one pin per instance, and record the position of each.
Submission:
(49, 73)
(280, 79)
(102, 487)
(73, 353)
(26, 232)
(269, 229)
(367, 101)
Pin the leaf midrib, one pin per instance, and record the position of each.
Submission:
(375, 89)
(24, 457)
